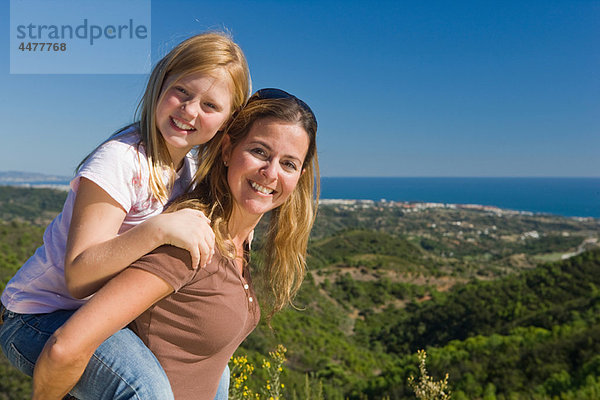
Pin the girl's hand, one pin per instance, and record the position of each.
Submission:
(190, 230)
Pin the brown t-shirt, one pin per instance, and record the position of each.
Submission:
(194, 331)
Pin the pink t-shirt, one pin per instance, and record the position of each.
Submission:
(120, 167)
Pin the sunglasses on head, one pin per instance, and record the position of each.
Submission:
(272, 93)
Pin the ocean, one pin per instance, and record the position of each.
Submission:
(572, 197)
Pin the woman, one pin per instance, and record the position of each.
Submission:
(193, 320)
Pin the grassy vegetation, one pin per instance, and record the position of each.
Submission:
(383, 283)
(37, 206)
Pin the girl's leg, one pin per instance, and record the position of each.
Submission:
(23, 336)
(121, 368)
(223, 391)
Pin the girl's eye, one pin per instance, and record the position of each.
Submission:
(181, 90)
(211, 105)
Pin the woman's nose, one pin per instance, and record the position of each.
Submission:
(269, 170)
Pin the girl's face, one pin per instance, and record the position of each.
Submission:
(191, 110)
(264, 168)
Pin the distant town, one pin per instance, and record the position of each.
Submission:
(412, 206)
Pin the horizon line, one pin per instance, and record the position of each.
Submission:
(381, 176)
(465, 177)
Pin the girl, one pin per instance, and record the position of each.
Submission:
(112, 215)
(193, 320)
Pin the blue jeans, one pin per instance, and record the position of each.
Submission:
(121, 368)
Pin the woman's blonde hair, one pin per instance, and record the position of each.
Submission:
(290, 224)
(207, 53)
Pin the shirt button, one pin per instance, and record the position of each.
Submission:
(246, 286)
(250, 299)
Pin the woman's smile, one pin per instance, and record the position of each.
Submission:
(261, 189)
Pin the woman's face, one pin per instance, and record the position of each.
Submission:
(192, 110)
(264, 168)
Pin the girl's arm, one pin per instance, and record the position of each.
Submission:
(69, 349)
(95, 253)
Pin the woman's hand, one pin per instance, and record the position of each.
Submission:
(190, 230)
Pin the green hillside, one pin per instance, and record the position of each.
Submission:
(485, 293)
(550, 295)
(517, 335)
(37, 206)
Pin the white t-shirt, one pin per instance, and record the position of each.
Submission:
(120, 167)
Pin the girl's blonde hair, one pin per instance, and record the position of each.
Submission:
(290, 224)
(206, 53)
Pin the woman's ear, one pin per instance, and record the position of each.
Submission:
(226, 149)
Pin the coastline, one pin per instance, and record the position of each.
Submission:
(348, 200)
(56, 186)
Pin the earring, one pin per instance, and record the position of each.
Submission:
(225, 164)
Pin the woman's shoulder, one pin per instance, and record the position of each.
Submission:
(174, 265)
(169, 263)
(169, 254)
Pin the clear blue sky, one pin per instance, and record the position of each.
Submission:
(419, 88)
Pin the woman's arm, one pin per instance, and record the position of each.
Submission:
(95, 253)
(67, 352)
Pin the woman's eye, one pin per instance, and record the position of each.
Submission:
(259, 152)
(290, 165)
